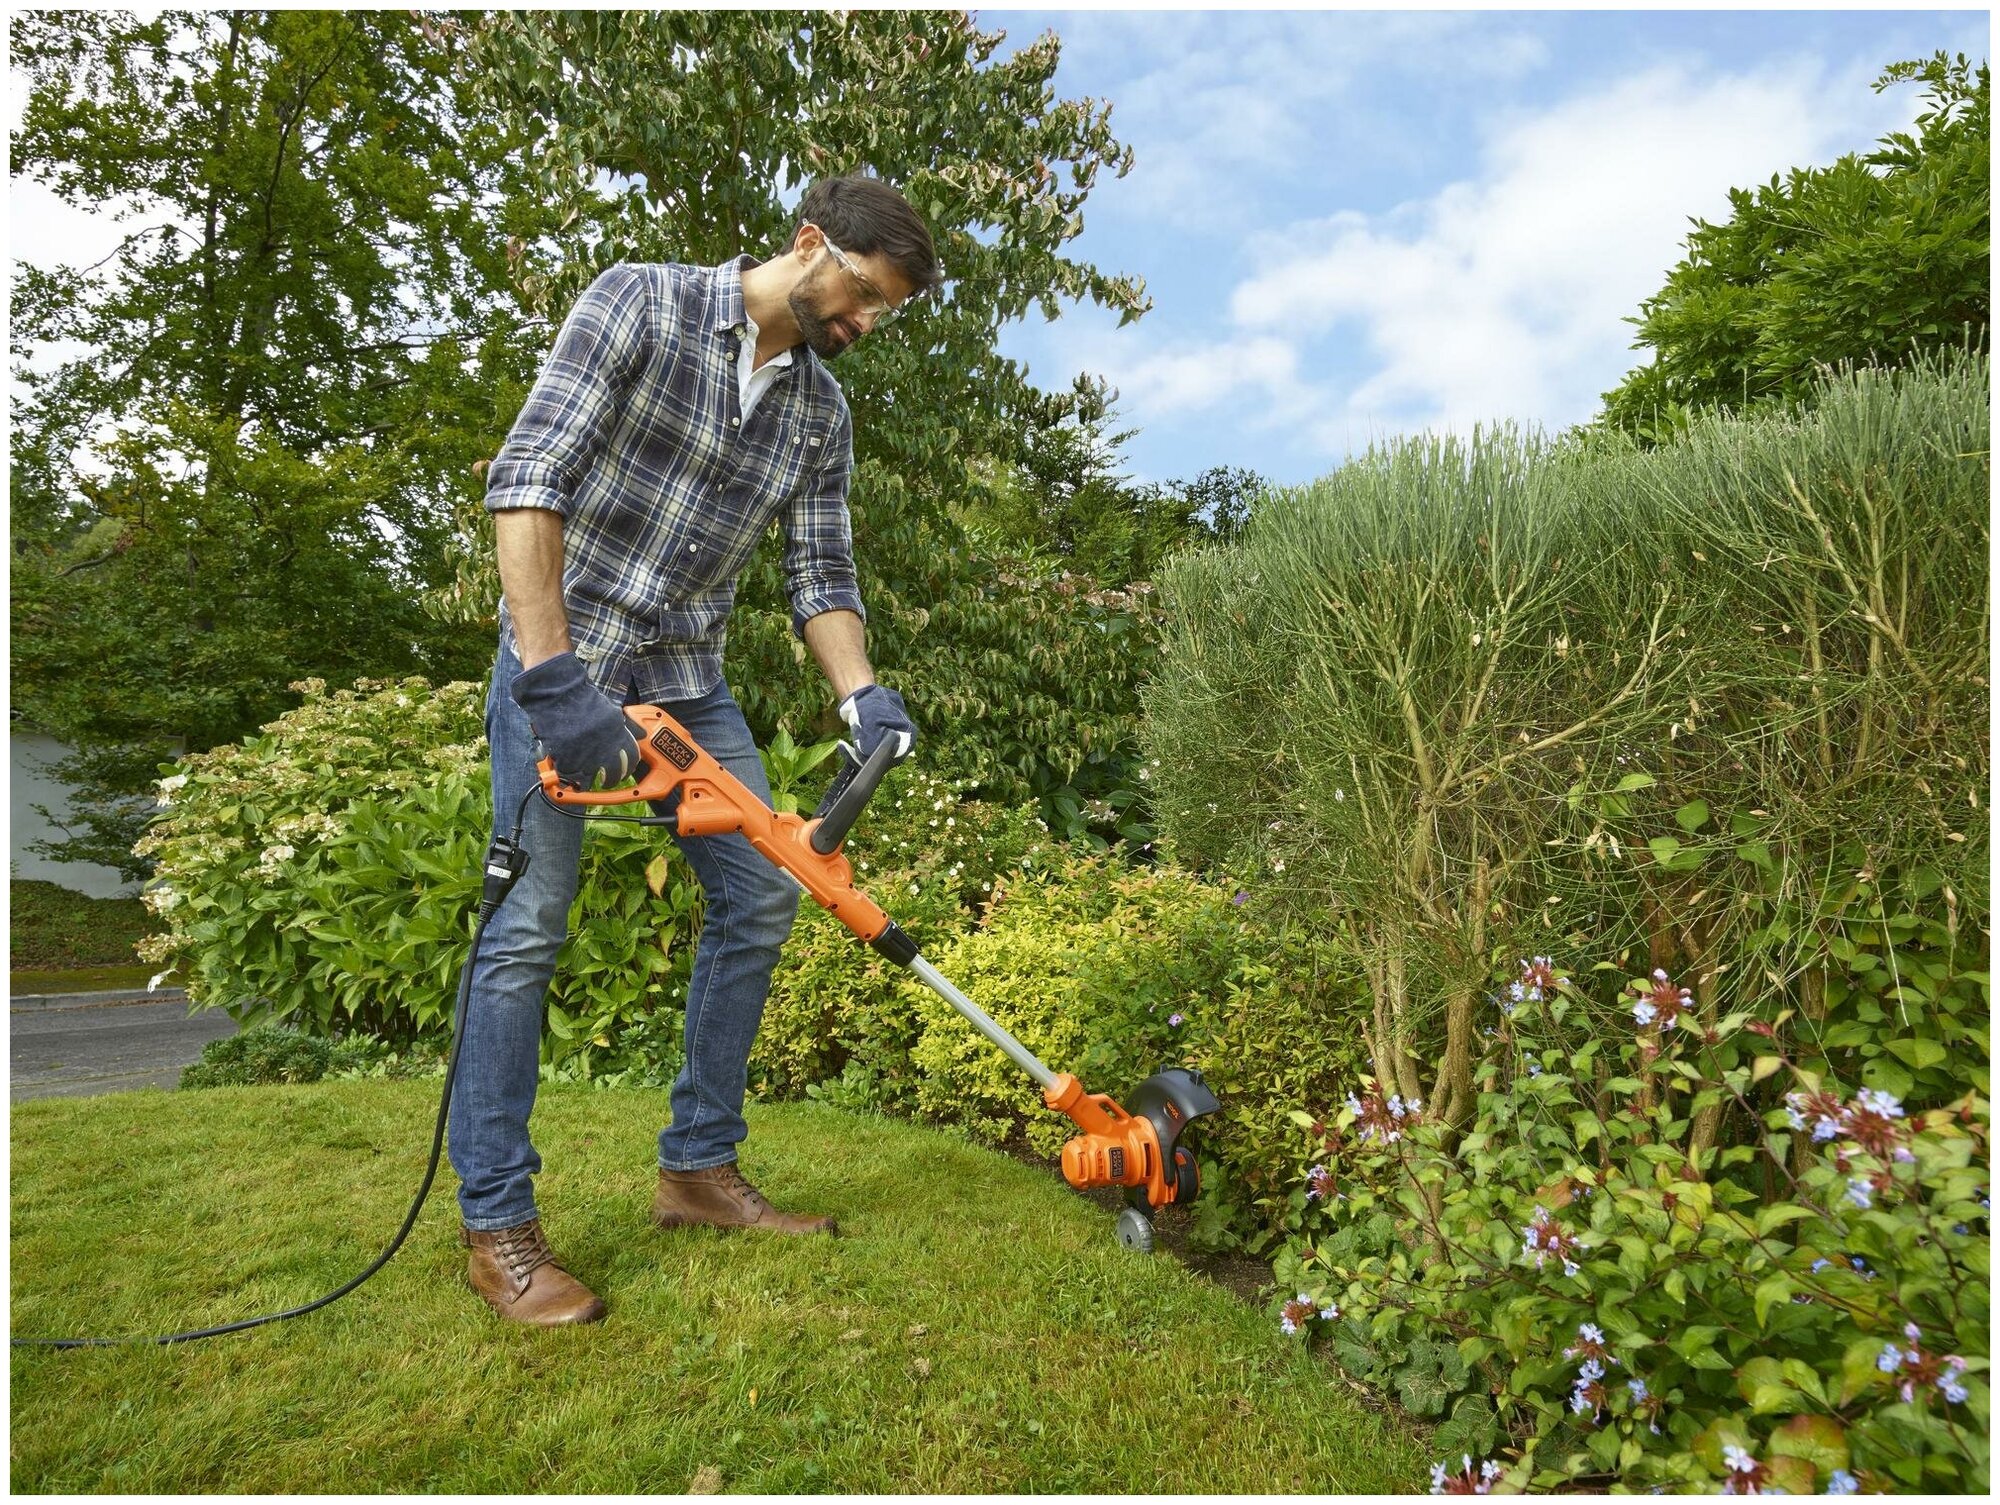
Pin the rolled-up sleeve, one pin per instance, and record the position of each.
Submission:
(819, 540)
(573, 406)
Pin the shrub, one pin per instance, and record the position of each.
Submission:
(1108, 972)
(1805, 1312)
(1689, 704)
(324, 873)
(271, 1053)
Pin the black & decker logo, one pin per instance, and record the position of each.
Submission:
(673, 749)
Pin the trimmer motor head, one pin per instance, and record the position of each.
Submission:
(1139, 1147)
(1171, 1100)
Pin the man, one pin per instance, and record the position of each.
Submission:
(682, 409)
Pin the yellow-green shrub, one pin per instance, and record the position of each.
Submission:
(1089, 966)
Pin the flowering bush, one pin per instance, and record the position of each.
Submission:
(324, 874)
(1804, 1310)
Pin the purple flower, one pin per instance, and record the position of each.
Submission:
(1644, 1012)
(1860, 1193)
(1241, 895)
(1890, 1359)
(1842, 1483)
(1948, 1381)
(1175, 1021)
(1875, 1101)
(1638, 1389)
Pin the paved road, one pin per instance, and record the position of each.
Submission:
(76, 1050)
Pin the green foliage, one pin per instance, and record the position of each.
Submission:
(837, 1024)
(1872, 259)
(1815, 1296)
(271, 1053)
(1690, 702)
(51, 927)
(1065, 509)
(325, 872)
(1100, 970)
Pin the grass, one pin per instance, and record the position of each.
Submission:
(79, 979)
(56, 929)
(974, 1330)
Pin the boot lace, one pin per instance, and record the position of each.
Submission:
(733, 1178)
(523, 1249)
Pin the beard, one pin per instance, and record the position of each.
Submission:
(825, 338)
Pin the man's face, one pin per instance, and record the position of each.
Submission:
(834, 306)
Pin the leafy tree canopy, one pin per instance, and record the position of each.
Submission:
(1869, 260)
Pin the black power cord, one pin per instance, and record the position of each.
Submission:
(506, 861)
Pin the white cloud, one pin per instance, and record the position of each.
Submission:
(1502, 296)
(1181, 377)
(1212, 100)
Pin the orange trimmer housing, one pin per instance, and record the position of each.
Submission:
(715, 802)
(1137, 1151)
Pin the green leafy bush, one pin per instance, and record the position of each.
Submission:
(271, 1053)
(325, 873)
(1870, 259)
(1805, 1312)
(1101, 970)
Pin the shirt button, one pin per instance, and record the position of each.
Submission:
(732, 423)
(691, 548)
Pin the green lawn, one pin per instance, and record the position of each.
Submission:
(52, 929)
(974, 1329)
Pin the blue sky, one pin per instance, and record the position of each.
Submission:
(1358, 224)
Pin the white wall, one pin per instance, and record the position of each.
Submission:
(30, 784)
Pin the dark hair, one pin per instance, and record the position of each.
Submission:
(863, 215)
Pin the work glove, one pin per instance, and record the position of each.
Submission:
(587, 736)
(874, 712)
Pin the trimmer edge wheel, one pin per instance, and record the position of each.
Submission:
(1134, 1231)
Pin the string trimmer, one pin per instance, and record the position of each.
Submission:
(1139, 1150)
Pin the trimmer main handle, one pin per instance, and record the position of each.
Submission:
(848, 795)
(715, 802)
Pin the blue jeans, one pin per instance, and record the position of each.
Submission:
(750, 906)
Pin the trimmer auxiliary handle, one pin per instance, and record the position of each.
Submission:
(1138, 1151)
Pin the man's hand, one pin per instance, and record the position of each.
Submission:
(587, 736)
(874, 712)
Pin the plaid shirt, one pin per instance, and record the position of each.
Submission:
(634, 433)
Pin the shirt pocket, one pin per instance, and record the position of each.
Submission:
(802, 451)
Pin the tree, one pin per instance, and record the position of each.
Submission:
(684, 135)
(1869, 261)
(290, 365)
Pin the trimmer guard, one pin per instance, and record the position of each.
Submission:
(1171, 1100)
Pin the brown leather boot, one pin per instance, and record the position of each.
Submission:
(515, 1270)
(721, 1198)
